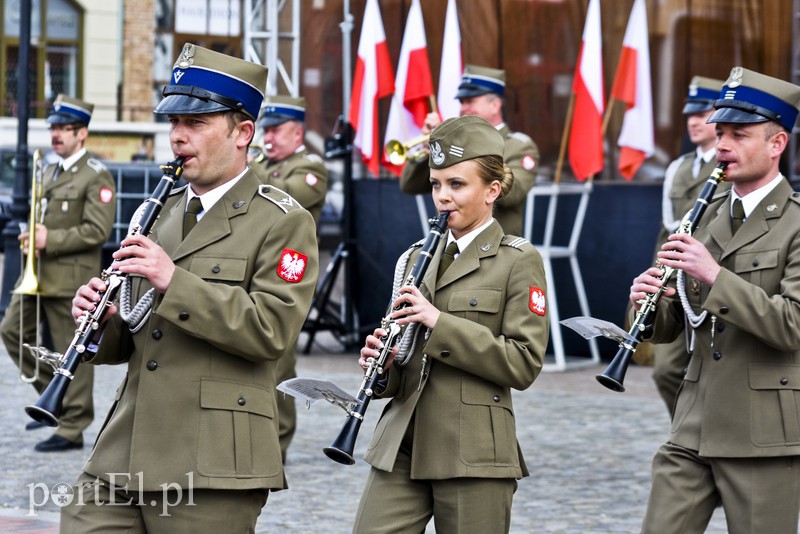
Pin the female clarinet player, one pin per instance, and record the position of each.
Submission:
(445, 445)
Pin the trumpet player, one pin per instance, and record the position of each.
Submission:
(289, 166)
(734, 440)
(445, 446)
(481, 94)
(79, 209)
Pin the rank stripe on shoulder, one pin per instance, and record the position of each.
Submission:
(517, 242)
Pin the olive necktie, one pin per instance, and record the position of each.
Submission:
(447, 258)
(190, 217)
(738, 215)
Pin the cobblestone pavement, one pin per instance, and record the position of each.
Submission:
(588, 449)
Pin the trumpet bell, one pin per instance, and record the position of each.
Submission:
(396, 152)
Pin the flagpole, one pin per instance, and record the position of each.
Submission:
(562, 151)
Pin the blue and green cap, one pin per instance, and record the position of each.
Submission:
(749, 97)
(477, 81)
(68, 110)
(702, 94)
(204, 81)
(279, 109)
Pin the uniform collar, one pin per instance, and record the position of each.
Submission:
(67, 163)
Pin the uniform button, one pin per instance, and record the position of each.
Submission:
(157, 334)
(723, 310)
(473, 302)
(183, 316)
(717, 355)
(720, 327)
(215, 269)
(755, 262)
(242, 401)
(784, 381)
(685, 370)
(496, 398)
(152, 365)
(445, 353)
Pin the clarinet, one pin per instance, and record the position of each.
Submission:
(614, 375)
(48, 408)
(341, 450)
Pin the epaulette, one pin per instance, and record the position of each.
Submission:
(514, 242)
(314, 158)
(519, 136)
(96, 164)
(279, 197)
(179, 190)
(795, 197)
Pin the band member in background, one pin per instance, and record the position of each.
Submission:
(197, 410)
(79, 194)
(289, 166)
(446, 444)
(734, 438)
(481, 94)
(683, 181)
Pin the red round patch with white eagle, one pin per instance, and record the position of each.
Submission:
(292, 265)
(311, 179)
(528, 163)
(537, 301)
(106, 195)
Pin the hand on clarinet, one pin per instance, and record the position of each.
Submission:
(417, 310)
(646, 284)
(140, 255)
(87, 297)
(372, 349)
(684, 252)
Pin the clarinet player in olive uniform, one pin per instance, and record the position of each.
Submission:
(233, 265)
(79, 193)
(289, 166)
(481, 93)
(445, 445)
(735, 440)
(683, 181)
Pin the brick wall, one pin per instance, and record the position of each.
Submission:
(136, 99)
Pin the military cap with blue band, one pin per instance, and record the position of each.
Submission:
(463, 138)
(749, 97)
(279, 109)
(68, 110)
(477, 81)
(702, 94)
(204, 81)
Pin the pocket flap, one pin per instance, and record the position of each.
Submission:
(218, 395)
(753, 261)
(482, 300)
(484, 394)
(772, 376)
(218, 268)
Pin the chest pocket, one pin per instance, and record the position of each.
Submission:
(219, 269)
(755, 267)
(475, 304)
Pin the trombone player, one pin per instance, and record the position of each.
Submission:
(79, 210)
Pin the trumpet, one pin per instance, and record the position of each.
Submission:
(614, 375)
(29, 284)
(397, 152)
(48, 408)
(341, 450)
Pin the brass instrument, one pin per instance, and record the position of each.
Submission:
(48, 408)
(397, 152)
(613, 376)
(29, 284)
(341, 450)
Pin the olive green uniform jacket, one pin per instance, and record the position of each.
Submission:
(199, 396)
(303, 175)
(741, 394)
(487, 340)
(522, 157)
(81, 206)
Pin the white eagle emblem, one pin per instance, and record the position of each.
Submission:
(292, 266)
(537, 301)
(437, 154)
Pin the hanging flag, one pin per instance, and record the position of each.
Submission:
(413, 85)
(632, 86)
(373, 79)
(586, 132)
(452, 65)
